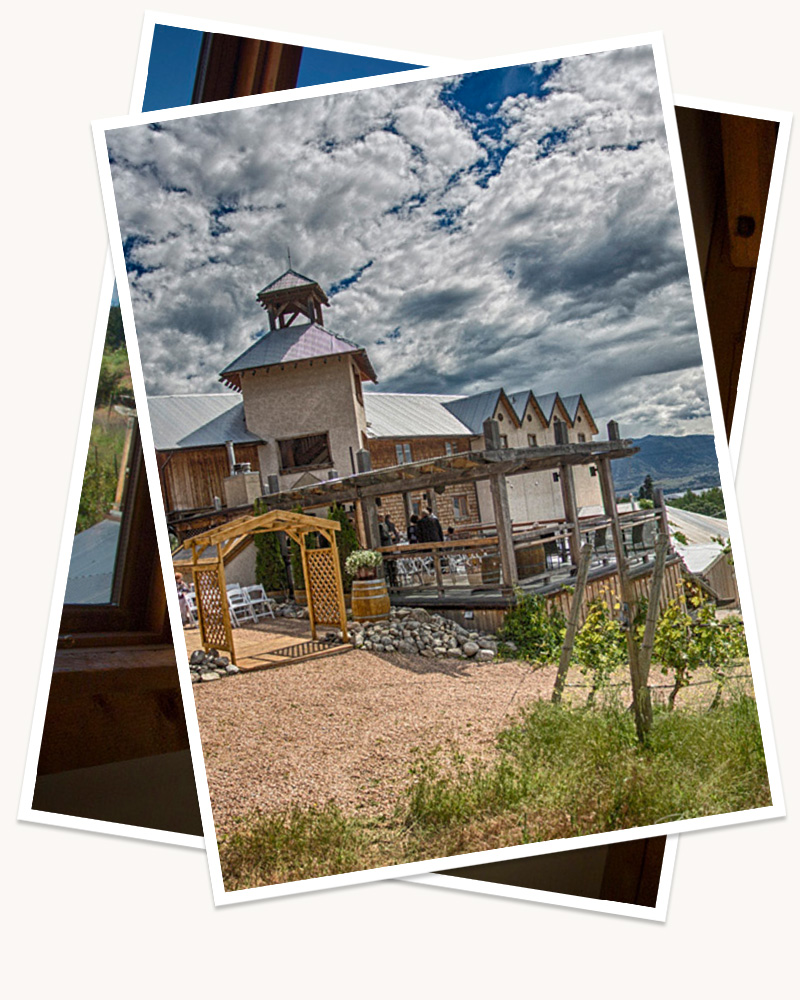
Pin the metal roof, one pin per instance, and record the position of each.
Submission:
(547, 404)
(296, 343)
(91, 565)
(519, 401)
(198, 421)
(571, 404)
(401, 414)
(473, 410)
(289, 279)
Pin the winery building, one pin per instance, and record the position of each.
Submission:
(298, 409)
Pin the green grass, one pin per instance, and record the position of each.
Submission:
(560, 772)
(102, 468)
(296, 844)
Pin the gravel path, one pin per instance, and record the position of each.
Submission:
(346, 727)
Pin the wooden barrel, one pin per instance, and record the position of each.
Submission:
(370, 600)
(530, 560)
(300, 597)
(490, 570)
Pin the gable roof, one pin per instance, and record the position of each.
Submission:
(290, 279)
(473, 410)
(547, 404)
(198, 421)
(402, 414)
(294, 343)
(572, 404)
(519, 401)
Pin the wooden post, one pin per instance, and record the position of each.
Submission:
(123, 465)
(572, 624)
(309, 591)
(661, 506)
(646, 651)
(409, 507)
(491, 435)
(437, 569)
(567, 480)
(610, 508)
(337, 572)
(369, 512)
(502, 519)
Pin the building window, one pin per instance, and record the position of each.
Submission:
(450, 447)
(310, 452)
(134, 607)
(532, 441)
(499, 416)
(403, 453)
(504, 440)
(461, 508)
(582, 438)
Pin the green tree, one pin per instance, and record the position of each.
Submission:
(646, 489)
(270, 566)
(711, 502)
(115, 334)
(298, 576)
(346, 540)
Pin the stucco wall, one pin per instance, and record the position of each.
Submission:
(303, 398)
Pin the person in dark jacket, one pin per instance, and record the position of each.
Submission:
(413, 530)
(426, 530)
(436, 527)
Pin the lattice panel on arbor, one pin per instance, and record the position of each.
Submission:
(322, 584)
(214, 625)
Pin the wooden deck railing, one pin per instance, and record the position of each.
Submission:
(541, 549)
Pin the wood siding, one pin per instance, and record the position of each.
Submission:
(191, 479)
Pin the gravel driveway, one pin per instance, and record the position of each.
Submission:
(347, 727)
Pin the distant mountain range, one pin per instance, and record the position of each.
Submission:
(676, 464)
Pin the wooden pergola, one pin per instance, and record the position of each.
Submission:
(320, 567)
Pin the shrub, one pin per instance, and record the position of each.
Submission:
(270, 566)
(689, 635)
(536, 629)
(600, 646)
(298, 576)
(346, 540)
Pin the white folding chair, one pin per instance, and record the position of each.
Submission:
(260, 604)
(240, 608)
(191, 605)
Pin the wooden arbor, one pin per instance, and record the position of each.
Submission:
(320, 568)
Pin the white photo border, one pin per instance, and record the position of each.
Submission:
(773, 811)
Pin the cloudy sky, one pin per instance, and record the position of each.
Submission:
(513, 227)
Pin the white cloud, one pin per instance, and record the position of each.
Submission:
(542, 252)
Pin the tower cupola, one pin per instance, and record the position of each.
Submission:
(290, 296)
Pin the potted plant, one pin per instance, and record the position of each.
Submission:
(370, 598)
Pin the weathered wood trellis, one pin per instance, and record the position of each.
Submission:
(320, 567)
